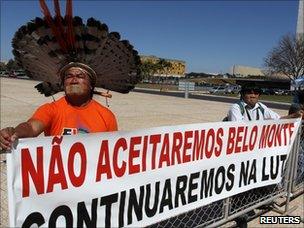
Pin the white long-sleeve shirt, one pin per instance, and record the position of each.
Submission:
(255, 113)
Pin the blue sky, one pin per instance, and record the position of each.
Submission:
(210, 36)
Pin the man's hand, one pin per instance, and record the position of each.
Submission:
(298, 114)
(7, 137)
(31, 128)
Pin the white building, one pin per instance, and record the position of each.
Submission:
(244, 71)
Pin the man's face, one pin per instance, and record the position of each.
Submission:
(251, 97)
(76, 82)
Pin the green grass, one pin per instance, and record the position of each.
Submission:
(276, 98)
(157, 86)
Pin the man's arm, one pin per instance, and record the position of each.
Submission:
(297, 114)
(31, 128)
(295, 111)
(270, 114)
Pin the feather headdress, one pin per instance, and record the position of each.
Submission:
(43, 47)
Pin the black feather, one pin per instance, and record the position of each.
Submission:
(115, 61)
(48, 89)
(77, 21)
(114, 35)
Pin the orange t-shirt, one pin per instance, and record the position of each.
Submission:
(61, 118)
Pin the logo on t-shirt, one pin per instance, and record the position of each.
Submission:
(69, 131)
(74, 131)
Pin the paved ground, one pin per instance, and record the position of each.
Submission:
(134, 111)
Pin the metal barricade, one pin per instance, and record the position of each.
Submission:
(4, 222)
(298, 174)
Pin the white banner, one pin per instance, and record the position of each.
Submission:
(142, 177)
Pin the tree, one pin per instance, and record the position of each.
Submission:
(12, 65)
(163, 66)
(147, 69)
(287, 57)
(2, 66)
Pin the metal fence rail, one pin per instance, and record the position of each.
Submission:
(4, 222)
(298, 174)
(220, 212)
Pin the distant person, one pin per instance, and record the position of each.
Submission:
(298, 106)
(248, 108)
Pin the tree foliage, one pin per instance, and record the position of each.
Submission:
(2, 66)
(287, 57)
(163, 66)
(149, 68)
(12, 65)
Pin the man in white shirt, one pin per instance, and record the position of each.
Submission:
(249, 108)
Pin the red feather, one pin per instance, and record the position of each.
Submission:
(49, 20)
(69, 20)
(59, 18)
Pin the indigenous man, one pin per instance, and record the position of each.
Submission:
(79, 57)
(74, 113)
